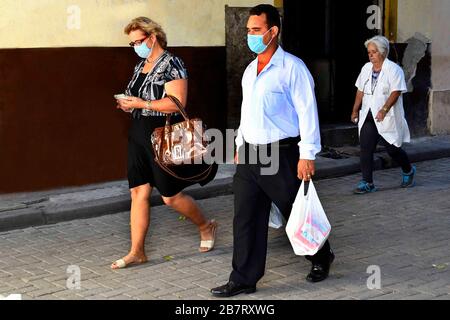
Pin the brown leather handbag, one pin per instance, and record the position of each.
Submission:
(182, 143)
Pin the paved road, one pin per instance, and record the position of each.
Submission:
(404, 233)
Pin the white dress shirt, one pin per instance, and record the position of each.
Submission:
(280, 103)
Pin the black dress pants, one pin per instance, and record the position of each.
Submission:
(369, 138)
(254, 194)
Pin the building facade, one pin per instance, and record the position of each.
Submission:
(61, 62)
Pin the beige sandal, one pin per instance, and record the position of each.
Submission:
(209, 244)
(122, 264)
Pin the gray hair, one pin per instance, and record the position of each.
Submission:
(382, 44)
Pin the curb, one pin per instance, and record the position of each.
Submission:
(39, 215)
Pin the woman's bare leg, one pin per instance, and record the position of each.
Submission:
(139, 221)
(187, 206)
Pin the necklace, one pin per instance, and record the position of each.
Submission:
(151, 61)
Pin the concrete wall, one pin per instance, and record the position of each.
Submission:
(430, 18)
(414, 16)
(441, 44)
(100, 23)
(439, 118)
(61, 61)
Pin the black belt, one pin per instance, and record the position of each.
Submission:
(288, 142)
(137, 114)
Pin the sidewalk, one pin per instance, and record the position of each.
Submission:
(389, 245)
(28, 209)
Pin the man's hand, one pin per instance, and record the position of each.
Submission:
(236, 158)
(305, 169)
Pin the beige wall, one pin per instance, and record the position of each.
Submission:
(439, 112)
(441, 45)
(414, 16)
(439, 116)
(54, 23)
(431, 18)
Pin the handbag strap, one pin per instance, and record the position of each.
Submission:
(195, 178)
(180, 109)
(179, 106)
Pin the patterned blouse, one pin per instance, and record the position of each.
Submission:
(375, 80)
(167, 68)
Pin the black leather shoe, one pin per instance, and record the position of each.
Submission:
(320, 271)
(232, 289)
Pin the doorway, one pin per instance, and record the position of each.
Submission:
(329, 36)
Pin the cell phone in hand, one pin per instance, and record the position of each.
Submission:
(120, 96)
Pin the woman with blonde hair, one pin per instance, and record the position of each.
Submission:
(157, 74)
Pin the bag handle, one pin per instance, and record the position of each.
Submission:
(304, 188)
(196, 178)
(307, 187)
(179, 106)
(180, 109)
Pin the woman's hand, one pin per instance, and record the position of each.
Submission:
(357, 106)
(122, 107)
(131, 103)
(380, 115)
(354, 116)
(388, 105)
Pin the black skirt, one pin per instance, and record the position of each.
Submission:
(143, 169)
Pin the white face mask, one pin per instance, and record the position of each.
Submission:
(256, 42)
(142, 50)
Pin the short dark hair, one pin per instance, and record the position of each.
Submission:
(272, 14)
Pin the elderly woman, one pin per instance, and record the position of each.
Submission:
(157, 73)
(381, 118)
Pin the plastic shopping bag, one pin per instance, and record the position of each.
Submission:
(308, 227)
(276, 219)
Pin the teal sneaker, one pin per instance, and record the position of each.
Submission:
(408, 178)
(365, 187)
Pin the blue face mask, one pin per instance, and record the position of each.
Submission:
(256, 42)
(142, 50)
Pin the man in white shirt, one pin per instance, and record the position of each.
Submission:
(278, 107)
